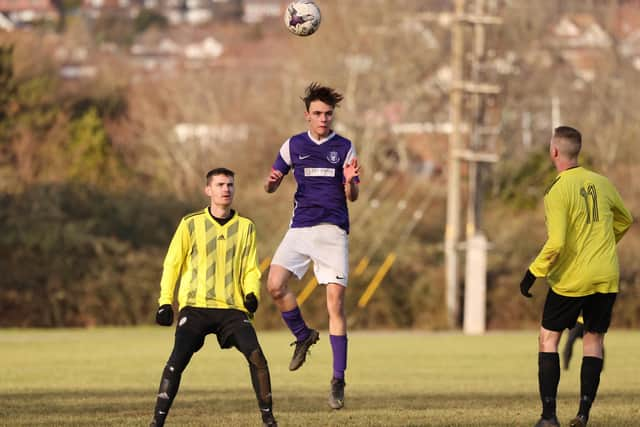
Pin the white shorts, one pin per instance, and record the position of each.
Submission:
(327, 245)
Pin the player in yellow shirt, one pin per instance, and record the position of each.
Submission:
(585, 218)
(213, 255)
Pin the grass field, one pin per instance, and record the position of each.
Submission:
(109, 377)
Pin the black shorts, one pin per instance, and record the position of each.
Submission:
(561, 312)
(226, 323)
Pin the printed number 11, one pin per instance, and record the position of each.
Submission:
(592, 214)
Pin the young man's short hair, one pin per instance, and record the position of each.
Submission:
(568, 132)
(219, 171)
(317, 92)
(570, 135)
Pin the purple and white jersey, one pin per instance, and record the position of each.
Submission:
(318, 170)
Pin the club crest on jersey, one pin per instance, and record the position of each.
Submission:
(333, 157)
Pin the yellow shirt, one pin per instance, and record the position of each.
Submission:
(216, 264)
(585, 218)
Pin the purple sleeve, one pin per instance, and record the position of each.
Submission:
(281, 165)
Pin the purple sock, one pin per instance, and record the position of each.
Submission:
(296, 324)
(339, 347)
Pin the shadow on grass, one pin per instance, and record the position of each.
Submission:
(237, 407)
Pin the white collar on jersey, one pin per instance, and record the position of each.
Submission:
(320, 141)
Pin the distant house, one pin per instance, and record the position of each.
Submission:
(581, 31)
(166, 52)
(207, 48)
(630, 48)
(585, 64)
(6, 24)
(97, 8)
(585, 45)
(74, 62)
(197, 12)
(627, 19)
(209, 135)
(21, 12)
(75, 71)
(111, 5)
(627, 31)
(177, 12)
(107, 4)
(258, 10)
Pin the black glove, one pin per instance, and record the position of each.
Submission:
(164, 315)
(527, 283)
(251, 302)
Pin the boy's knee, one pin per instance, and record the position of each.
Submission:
(276, 288)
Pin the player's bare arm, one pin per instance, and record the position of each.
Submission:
(351, 171)
(273, 181)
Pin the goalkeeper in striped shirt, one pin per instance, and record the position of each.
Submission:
(585, 219)
(213, 256)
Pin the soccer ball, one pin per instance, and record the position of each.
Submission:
(302, 17)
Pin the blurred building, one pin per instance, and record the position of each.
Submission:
(259, 10)
(21, 12)
(177, 12)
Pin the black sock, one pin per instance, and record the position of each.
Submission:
(589, 381)
(548, 379)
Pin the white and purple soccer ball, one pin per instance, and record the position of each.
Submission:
(302, 17)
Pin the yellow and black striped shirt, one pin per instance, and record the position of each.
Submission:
(585, 219)
(216, 264)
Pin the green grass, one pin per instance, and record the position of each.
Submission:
(109, 377)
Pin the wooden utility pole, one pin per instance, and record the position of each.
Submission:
(475, 291)
(473, 203)
(458, 152)
(476, 243)
(452, 230)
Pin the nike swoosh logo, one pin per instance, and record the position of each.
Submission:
(304, 157)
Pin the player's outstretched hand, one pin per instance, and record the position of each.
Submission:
(164, 315)
(351, 170)
(274, 176)
(251, 302)
(527, 283)
(273, 181)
